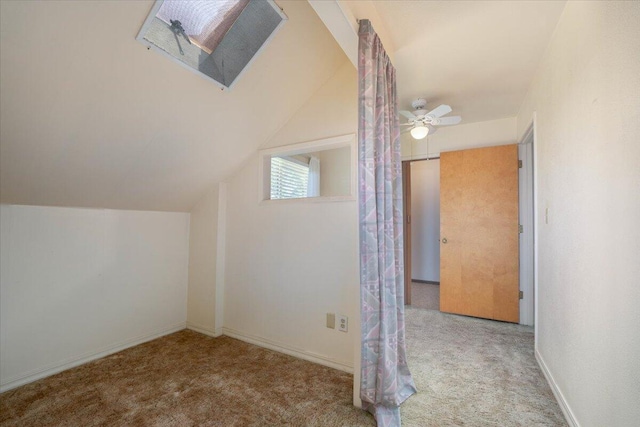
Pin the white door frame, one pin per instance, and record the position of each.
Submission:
(528, 238)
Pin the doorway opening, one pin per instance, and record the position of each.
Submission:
(421, 180)
(422, 219)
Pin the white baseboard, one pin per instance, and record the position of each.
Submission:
(58, 367)
(287, 349)
(564, 406)
(203, 330)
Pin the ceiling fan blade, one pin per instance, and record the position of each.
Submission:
(408, 114)
(407, 124)
(439, 111)
(406, 130)
(451, 120)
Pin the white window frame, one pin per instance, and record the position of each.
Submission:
(264, 167)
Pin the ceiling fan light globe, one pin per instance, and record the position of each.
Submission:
(419, 132)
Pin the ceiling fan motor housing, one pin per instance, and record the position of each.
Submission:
(419, 104)
(422, 120)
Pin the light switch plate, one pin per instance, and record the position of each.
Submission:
(331, 320)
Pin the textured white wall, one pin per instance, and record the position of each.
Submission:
(78, 283)
(290, 263)
(335, 176)
(585, 96)
(425, 220)
(203, 237)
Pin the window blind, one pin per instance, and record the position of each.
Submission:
(288, 179)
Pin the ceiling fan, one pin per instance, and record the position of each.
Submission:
(423, 123)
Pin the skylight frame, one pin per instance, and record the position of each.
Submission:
(154, 11)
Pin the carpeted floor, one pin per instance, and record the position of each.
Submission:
(469, 372)
(188, 379)
(425, 295)
(474, 372)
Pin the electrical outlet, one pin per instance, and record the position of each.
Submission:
(331, 320)
(343, 323)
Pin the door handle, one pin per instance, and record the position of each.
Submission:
(444, 240)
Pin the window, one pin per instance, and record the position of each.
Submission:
(322, 170)
(289, 178)
(216, 38)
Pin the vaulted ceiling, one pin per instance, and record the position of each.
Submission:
(477, 56)
(89, 117)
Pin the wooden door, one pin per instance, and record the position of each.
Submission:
(479, 233)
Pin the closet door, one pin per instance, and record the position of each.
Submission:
(479, 251)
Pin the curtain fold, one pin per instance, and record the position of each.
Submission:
(385, 378)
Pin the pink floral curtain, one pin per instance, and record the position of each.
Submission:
(385, 381)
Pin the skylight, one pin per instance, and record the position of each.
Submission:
(217, 38)
(205, 22)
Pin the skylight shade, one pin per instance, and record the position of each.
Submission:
(205, 22)
(217, 38)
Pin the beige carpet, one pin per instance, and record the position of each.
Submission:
(474, 372)
(425, 295)
(188, 379)
(469, 372)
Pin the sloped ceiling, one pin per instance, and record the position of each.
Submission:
(90, 118)
(477, 56)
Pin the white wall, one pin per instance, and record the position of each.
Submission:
(425, 220)
(76, 284)
(206, 263)
(585, 96)
(335, 177)
(290, 263)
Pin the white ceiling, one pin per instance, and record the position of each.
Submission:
(477, 56)
(90, 118)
